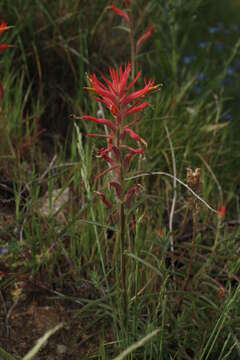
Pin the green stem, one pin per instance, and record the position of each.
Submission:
(210, 258)
(217, 237)
(123, 260)
(192, 254)
(132, 45)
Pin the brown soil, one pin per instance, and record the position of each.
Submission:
(24, 321)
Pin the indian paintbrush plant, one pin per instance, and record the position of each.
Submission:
(3, 47)
(118, 96)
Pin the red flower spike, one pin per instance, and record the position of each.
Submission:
(222, 212)
(127, 2)
(143, 38)
(114, 93)
(104, 199)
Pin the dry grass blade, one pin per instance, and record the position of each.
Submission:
(178, 180)
(31, 354)
(5, 355)
(137, 344)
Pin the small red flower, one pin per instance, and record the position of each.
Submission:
(3, 27)
(222, 212)
(160, 233)
(3, 47)
(121, 13)
(144, 37)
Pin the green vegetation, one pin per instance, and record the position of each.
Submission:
(60, 263)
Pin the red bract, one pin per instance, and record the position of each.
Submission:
(3, 47)
(144, 37)
(134, 190)
(115, 93)
(104, 199)
(134, 136)
(106, 122)
(130, 155)
(115, 184)
(222, 212)
(3, 27)
(121, 13)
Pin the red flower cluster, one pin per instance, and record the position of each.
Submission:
(3, 47)
(3, 27)
(116, 96)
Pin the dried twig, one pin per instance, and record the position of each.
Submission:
(178, 180)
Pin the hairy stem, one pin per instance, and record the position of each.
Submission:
(123, 260)
(122, 224)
